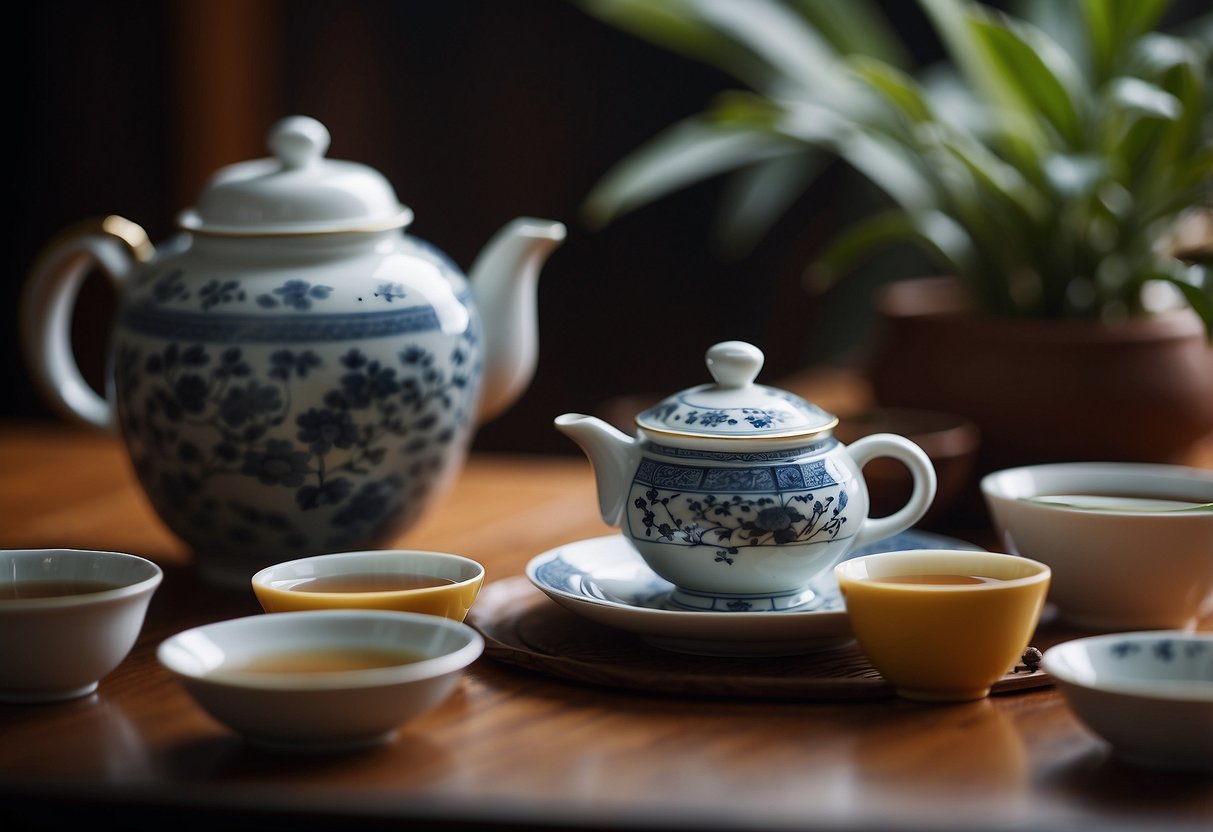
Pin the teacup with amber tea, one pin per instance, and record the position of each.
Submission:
(321, 680)
(68, 618)
(405, 580)
(943, 625)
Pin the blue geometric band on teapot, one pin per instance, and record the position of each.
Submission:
(742, 456)
(309, 328)
(807, 475)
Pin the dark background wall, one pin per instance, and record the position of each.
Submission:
(477, 112)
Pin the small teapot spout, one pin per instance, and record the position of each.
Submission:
(613, 455)
(504, 281)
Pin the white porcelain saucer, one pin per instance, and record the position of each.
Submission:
(605, 580)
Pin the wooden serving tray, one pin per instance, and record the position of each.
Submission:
(524, 628)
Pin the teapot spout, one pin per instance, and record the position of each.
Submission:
(612, 454)
(504, 284)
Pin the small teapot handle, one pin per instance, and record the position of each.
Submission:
(115, 246)
(921, 470)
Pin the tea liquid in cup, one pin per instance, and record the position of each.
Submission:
(943, 625)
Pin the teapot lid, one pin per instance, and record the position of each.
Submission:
(735, 407)
(297, 191)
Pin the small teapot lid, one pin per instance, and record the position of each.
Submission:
(735, 407)
(297, 191)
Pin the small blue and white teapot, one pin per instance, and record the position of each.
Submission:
(738, 493)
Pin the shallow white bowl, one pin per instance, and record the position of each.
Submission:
(1114, 568)
(320, 711)
(1149, 694)
(54, 648)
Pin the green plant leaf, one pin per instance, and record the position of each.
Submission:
(1192, 184)
(848, 250)
(675, 26)
(802, 60)
(950, 18)
(1196, 285)
(1113, 23)
(898, 88)
(1154, 121)
(1135, 96)
(1179, 68)
(979, 67)
(1039, 78)
(856, 27)
(1074, 176)
(954, 103)
(1002, 180)
(1067, 26)
(690, 151)
(935, 233)
(756, 196)
(887, 163)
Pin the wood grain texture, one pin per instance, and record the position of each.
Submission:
(513, 748)
(523, 627)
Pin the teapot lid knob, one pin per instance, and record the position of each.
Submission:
(734, 364)
(298, 141)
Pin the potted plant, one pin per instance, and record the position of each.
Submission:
(1056, 167)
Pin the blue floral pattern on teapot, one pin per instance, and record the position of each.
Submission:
(739, 494)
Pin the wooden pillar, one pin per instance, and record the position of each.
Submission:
(224, 86)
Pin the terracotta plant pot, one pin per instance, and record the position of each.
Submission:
(1044, 390)
(950, 441)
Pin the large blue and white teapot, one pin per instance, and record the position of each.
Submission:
(292, 373)
(738, 493)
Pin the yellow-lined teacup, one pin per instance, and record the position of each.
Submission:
(943, 625)
(405, 580)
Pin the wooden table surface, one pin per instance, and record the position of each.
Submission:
(514, 748)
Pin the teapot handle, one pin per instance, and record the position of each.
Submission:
(114, 246)
(921, 470)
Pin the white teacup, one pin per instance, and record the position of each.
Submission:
(1130, 544)
(68, 617)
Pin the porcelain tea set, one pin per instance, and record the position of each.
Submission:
(294, 374)
(296, 377)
